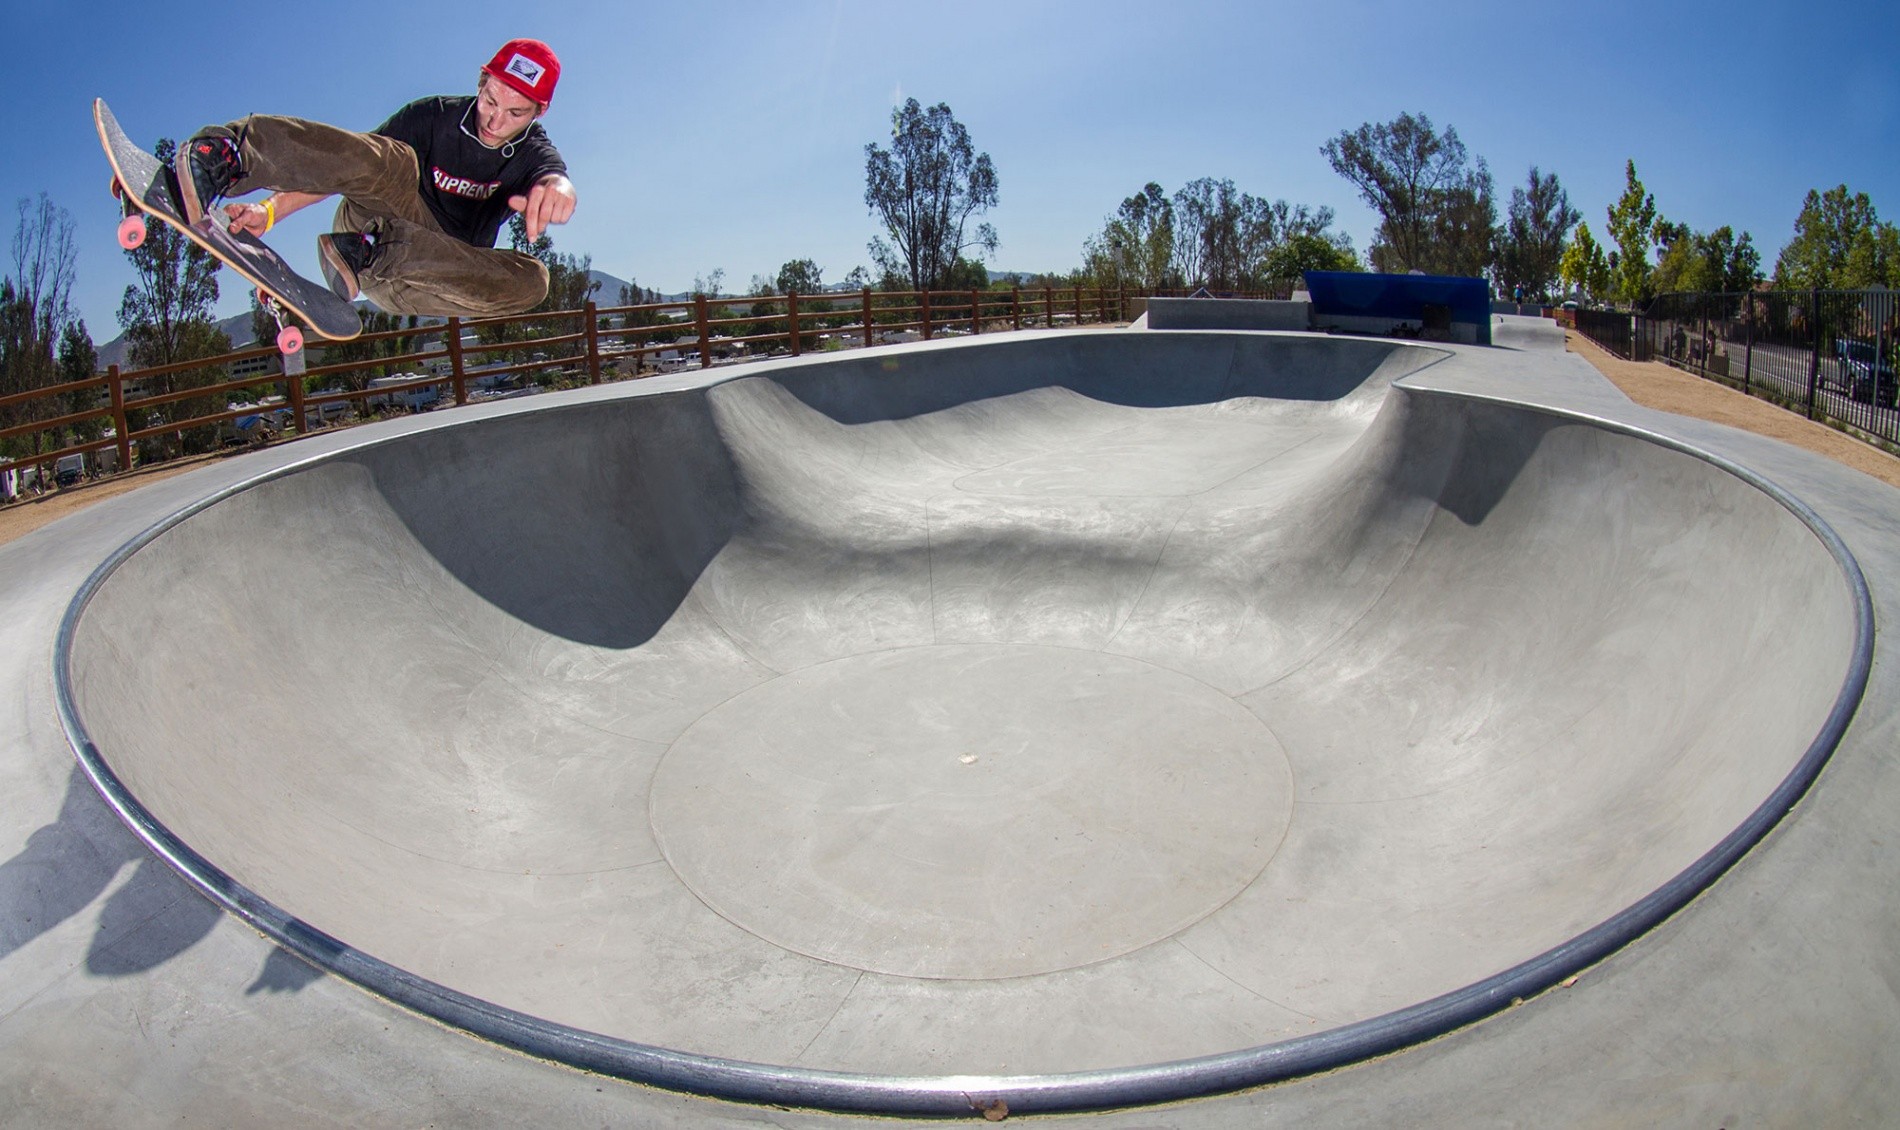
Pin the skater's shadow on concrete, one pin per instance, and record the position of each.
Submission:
(283, 972)
(154, 916)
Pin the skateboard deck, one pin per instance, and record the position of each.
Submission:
(147, 184)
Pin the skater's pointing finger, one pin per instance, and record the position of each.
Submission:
(550, 201)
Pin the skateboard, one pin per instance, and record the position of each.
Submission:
(146, 186)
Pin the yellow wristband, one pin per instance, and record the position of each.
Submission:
(270, 213)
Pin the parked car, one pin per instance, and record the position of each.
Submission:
(1865, 372)
(256, 428)
(69, 469)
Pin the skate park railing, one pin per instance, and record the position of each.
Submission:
(127, 417)
(1831, 355)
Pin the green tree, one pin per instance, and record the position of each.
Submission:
(1583, 267)
(1307, 251)
(1633, 229)
(1465, 229)
(1214, 227)
(35, 311)
(769, 315)
(925, 188)
(1135, 246)
(967, 274)
(1226, 239)
(1839, 243)
(571, 282)
(1708, 262)
(709, 286)
(633, 294)
(1531, 244)
(806, 279)
(22, 363)
(800, 276)
(1435, 208)
(79, 360)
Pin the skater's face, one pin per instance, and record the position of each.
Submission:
(502, 112)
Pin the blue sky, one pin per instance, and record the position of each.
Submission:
(732, 136)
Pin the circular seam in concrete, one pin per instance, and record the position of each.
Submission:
(922, 812)
(953, 1095)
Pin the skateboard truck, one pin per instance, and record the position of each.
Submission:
(289, 334)
(132, 227)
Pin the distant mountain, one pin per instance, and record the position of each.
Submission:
(608, 292)
(237, 327)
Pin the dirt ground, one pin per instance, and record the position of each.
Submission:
(23, 516)
(1650, 383)
(1653, 384)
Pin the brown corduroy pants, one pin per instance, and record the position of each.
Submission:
(418, 268)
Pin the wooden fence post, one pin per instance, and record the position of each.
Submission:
(1016, 305)
(791, 319)
(593, 342)
(705, 335)
(924, 312)
(867, 317)
(118, 418)
(1048, 308)
(458, 373)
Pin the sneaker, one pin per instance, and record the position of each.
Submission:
(207, 166)
(345, 256)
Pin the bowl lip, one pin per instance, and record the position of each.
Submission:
(855, 1092)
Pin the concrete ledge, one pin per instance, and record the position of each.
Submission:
(1459, 333)
(1226, 314)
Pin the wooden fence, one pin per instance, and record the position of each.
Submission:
(588, 345)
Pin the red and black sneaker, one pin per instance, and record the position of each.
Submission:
(207, 166)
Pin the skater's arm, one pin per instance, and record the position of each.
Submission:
(550, 201)
(260, 217)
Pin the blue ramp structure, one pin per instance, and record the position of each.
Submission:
(1434, 306)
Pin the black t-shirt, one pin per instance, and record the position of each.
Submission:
(465, 183)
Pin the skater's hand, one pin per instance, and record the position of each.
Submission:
(550, 201)
(247, 218)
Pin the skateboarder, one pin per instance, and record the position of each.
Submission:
(424, 196)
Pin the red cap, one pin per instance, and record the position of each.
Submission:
(529, 66)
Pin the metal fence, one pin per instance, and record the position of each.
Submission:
(1828, 354)
(120, 418)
